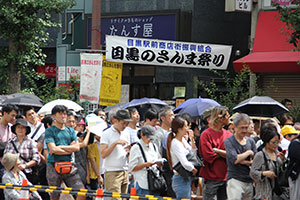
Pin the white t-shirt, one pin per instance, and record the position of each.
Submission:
(132, 133)
(33, 128)
(117, 160)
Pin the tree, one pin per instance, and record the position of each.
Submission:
(291, 16)
(24, 27)
(236, 89)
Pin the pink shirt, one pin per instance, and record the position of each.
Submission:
(5, 133)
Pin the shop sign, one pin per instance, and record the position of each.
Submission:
(282, 2)
(243, 5)
(49, 70)
(148, 26)
(90, 77)
(167, 53)
(64, 73)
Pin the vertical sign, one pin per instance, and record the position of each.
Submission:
(90, 77)
(243, 5)
(124, 93)
(110, 92)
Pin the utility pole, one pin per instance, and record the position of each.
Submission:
(256, 7)
(96, 24)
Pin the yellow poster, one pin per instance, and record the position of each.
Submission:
(110, 92)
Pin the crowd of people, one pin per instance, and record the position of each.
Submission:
(241, 156)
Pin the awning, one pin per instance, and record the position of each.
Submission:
(271, 50)
(279, 61)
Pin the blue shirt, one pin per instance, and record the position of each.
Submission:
(59, 137)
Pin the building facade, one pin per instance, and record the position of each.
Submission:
(193, 21)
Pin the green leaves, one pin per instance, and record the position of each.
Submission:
(24, 25)
(233, 90)
(291, 16)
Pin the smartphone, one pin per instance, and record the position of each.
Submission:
(283, 151)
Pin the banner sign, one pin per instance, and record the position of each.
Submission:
(167, 53)
(110, 92)
(90, 77)
(145, 26)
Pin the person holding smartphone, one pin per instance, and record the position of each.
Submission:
(266, 163)
(137, 164)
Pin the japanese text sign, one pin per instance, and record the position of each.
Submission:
(169, 53)
(243, 5)
(282, 2)
(90, 77)
(148, 26)
(49, 70)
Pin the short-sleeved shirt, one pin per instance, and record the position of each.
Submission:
(233, 148)
(133, 134)
(33, 128)
(93, 153)
(117, 160)
(59, 137)
(5, 133)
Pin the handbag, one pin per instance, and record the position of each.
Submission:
(194, 159)
(283, 175)
(156, 182)
(277, 188)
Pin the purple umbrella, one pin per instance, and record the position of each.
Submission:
(142, 101)
(196, 106)
(143, 104)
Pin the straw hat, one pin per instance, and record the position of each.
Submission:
(9, 160)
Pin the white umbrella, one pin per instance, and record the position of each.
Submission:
(47, 108)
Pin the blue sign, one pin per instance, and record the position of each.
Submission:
(153, 27)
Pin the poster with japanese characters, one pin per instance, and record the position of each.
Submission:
(167, 53)
(110, 92)
(90, 77)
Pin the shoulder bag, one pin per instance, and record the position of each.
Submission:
(194, 159)
(156, 182)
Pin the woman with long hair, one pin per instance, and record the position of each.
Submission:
(177, 150)
(266, 163)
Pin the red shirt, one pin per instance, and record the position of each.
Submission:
(215, 168)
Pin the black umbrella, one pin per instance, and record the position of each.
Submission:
(19, 94)
(23, 101)
(263, 106)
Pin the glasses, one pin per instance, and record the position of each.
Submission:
(291, 124)
(275, 142)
